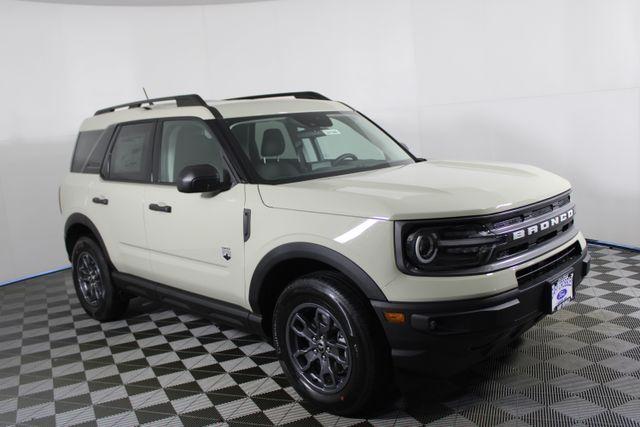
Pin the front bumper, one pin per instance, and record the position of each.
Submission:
(446, 337)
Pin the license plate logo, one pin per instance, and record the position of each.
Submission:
(561, 291)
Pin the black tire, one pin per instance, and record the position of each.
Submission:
(108, 304)
(354, 387)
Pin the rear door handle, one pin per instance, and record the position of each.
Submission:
(100, 200)
(160, 208)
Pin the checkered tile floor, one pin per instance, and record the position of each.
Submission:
(580, 366)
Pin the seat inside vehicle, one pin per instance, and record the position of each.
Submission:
(273, 146)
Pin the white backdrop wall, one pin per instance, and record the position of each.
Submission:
(555, 83)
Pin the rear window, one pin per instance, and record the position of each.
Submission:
(90, 149)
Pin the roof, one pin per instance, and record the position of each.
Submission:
(194, 106)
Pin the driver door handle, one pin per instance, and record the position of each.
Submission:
(160, 208)
(100, 200)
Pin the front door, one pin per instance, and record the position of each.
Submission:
(195, 240)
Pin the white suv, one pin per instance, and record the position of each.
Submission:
(298, 218)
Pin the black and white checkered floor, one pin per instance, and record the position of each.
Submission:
(580, 366)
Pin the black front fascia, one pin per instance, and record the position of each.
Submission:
(452, 335)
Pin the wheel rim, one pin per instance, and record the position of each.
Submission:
(90, 279)
(319, 348)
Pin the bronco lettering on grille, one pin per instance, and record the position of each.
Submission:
(544, 225)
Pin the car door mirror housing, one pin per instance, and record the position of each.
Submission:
(201, 179)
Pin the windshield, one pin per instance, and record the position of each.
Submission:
(298, 146)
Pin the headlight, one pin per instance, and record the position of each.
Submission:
(422, 247)
(446, 248)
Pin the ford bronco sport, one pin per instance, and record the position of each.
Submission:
(298, 218)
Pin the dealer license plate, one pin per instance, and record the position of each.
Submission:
(561, 291)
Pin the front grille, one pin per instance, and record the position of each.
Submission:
(531, 244)
(526, 214)
(557, 261)
(526, 217)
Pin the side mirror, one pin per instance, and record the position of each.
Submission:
(201, 179)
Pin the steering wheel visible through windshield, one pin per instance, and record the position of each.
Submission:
(298, 146)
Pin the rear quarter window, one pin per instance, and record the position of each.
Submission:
(90, 149)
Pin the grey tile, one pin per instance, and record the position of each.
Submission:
(573, 383)
(630, 410)
(621, 364)
(578, 409)
(518, 404)
(570, 362)
(627, 385)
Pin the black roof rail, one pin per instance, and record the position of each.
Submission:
(191, 100)
(299, 95)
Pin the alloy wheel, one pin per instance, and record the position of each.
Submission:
(319, 348)
(90, 279)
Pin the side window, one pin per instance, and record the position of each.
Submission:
(341, 138)
(131, 153)
(185, 143)
(90, 148)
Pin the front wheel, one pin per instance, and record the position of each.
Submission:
(330, 345)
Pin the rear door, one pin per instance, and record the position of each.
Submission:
(196, 241)
(116, 199)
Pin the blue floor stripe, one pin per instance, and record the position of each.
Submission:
(44, 273)
(613, 245)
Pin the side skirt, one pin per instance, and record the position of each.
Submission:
(230, 314)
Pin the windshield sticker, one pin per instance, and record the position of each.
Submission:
(331, 131)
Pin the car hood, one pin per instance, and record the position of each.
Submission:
(431, 189)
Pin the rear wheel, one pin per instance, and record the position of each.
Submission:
(92, 280)
(330, 345)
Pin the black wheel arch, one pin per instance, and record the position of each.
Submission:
(77, 225)
(314, 252)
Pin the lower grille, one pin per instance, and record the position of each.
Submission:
(565, 256)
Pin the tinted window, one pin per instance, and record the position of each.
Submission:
(89, 151)
(185, 143)
(131, 153)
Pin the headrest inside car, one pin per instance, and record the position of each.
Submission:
(272, 143)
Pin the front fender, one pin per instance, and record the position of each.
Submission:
(318, 253)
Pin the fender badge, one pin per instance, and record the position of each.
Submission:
(226, 253)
